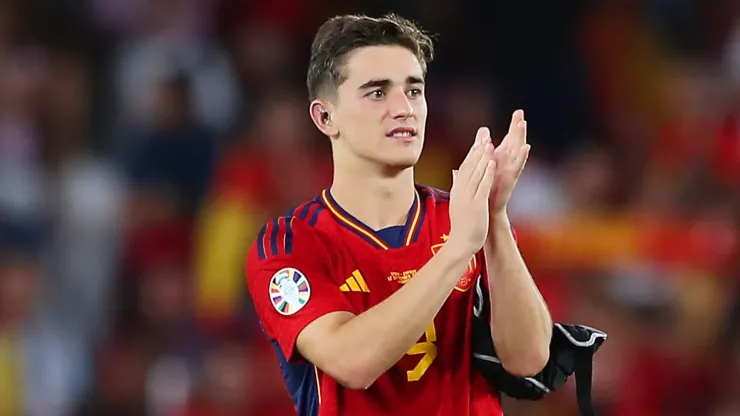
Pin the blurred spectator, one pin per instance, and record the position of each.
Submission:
(42, 369)
(120, 374)
(169, 170)
(86, 196)
(169, 38)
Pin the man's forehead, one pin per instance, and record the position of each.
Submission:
(393, 63)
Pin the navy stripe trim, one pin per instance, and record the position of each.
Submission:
(419, 226)
(271, 241)
(261, 243)
(315, 216)
(288, 235)
(304, 210)
(270, 238)
(361, 235)
(274, 236)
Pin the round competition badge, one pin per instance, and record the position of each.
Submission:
(289, 291)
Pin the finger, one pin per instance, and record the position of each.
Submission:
(522, 132)
(473, 177)
(486, 183)
(483, 135)
(504, 156)
(456, 173)
(522, 157)
(480, 169)
(468, 164)
(471, 160)
(479, 137)
(516, 117)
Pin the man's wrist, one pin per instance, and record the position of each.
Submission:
(499, 221)
(454, 253)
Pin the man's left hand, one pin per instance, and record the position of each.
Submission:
(510, 157)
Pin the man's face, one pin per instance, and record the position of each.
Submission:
(381, 111)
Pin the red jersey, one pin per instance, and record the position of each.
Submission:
(320, 259)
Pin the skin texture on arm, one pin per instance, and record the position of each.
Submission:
(521, 326)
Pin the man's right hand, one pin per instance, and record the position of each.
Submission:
(471, 186)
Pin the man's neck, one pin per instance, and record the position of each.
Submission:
(379, 201)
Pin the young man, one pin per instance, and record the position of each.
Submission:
(365, 291)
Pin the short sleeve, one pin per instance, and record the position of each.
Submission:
(290, 282)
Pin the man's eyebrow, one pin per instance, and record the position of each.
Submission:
(375, 83)
(384, 82)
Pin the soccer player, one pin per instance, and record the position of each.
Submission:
(366, 291)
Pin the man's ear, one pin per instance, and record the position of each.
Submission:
(321, 114)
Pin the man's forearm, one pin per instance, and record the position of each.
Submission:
(382, 335)
(521, 325)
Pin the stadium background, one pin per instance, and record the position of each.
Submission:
(143, 143)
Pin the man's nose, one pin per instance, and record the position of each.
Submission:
(400, 105)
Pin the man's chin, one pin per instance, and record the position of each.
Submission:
(395, 164)
(400, 164)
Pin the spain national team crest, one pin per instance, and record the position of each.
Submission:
(289, 291)
(468, 278)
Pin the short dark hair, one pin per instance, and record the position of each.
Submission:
(340, 35)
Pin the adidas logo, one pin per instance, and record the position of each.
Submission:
(355, 283)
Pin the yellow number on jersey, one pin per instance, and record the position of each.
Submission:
(429, 349)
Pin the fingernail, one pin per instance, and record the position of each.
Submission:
(522, 123)
(489, 146)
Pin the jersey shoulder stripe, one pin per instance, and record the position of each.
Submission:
(277, 235)
(270, 237)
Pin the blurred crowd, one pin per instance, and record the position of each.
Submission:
(144, 143)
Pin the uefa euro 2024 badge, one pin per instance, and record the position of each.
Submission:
(289, 291)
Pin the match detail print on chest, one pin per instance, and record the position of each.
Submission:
(391, 272)
(471, 272)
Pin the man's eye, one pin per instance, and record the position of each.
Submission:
(376, 94)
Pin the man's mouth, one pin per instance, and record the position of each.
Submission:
(402, 133)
